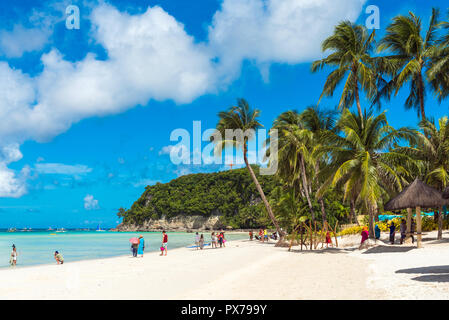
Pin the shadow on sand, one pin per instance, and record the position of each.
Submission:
(432, 273)
(388, 249)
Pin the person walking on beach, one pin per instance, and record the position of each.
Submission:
(59, 258)
(251, 235)
(412, 230)
(213, 239)
(13, 259)
(392, 232)
(201, 242)
(141, 246)
(220, 239)
(260, 234)
(377, 232)
(403, 229)
(265, 235)
(134, 247)
(197, 241)
(224, 239)
(365, 236)
(164, 242)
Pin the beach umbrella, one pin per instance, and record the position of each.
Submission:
(134, 240)
(416, 195)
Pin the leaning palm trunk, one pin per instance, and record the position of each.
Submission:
(352, 212)
(262, 195)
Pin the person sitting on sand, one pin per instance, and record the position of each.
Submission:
(377, 232)
(392, 232)
(164, 242)
(59, 258)
(365, 235)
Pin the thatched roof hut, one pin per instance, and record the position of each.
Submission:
(417, 194)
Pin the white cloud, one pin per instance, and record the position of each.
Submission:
(267, 31)
(12, 185)
(90, 203)
(20, 40)
(60, 168)
(151, 57)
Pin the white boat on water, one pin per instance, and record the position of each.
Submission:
(12, 230)
(60, 230)
(99, 229)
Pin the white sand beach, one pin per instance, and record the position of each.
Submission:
(244, 270)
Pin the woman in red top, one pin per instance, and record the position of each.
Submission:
(164, 242)
(365, 236)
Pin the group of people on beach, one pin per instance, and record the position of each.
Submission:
(216, 240)
(138, 248)
(263, 235)
(13, 258)
(392, 235)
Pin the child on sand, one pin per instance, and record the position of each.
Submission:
(164, 242)
(328, 239)
(58, 257)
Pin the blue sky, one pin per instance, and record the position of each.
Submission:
(87, 113)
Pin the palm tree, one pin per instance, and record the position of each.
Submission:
(300, 142)
(363, 159)
(294, 143)
(242, 117)
(438, 72)
(411, 55)
(351, 45)
(432, 149)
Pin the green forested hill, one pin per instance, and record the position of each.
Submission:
(231, 194)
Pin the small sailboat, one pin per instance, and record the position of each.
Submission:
(99, 229)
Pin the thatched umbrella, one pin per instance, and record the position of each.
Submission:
(416, 195)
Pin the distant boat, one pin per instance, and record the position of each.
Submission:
(50, 229)
(12, 230)
(99, 229)
(60, 230)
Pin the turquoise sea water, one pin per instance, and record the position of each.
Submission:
(38, 247)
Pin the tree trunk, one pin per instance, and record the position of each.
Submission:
(306, 186)
(440, 224)
(421, 96)
(323, 211)
(352, 212)
(418, 227)
(262, 195)
(356, 93)
(372, 211)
